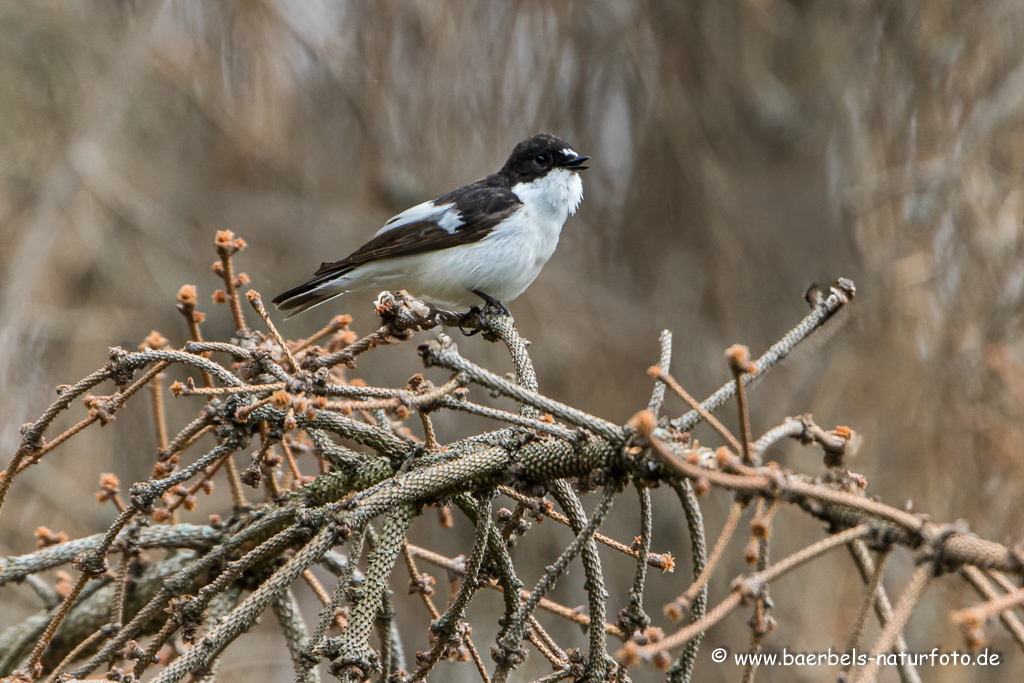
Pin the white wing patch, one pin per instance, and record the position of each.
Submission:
(450, 220)
(445, 216)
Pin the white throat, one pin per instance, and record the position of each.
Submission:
(558, 193)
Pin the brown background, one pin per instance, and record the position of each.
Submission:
(742, 151)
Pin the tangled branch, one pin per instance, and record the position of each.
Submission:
(339, 468)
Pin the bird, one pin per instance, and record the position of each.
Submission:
(484, 242)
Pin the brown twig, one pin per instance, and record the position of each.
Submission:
(539, 632)
(556, 663)
(289, 457)
(227, 245)
(429, 437)
(417, 585)
(100, 411)
(907, 602)
(338, 323)
(972, 619)
(662, 376)
(89, 566)
(184, 390)
(88, 642)
(866, 605)
(159, 416)
(678, 607)
(663, 561)
(321, 594)
(257, 303)
(742, 589)
(426, 400)
(544, 604)
(33, 668)
(740, 365)
(187, 307)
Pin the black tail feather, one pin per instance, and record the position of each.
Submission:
(306, 296)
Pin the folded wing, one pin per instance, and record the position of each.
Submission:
(464, 216)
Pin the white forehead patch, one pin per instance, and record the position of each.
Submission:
(569, 153)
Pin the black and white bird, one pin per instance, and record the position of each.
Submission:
(484, 241)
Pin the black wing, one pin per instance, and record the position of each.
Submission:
(475, 211)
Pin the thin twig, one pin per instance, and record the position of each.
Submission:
(682, 670)
(662, 561)
(227, 246)
(293, 466)
(722, 430)
(92, 565)
(971, 619)
(739, 363)
(257, 303)
(907, 602)
(883, 609)
(79, 649)
(429, 437)
(678, 607)
(104, 412)
(841, 293)
(664, 365)
(742, 589)
(159, 416)
(511, 640)
(321, 594)
(338, 323)
(866, 605)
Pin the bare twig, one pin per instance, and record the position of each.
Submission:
(866, 605)
(908, 600)
(257, 303)
(971, 619)
(678, 607)
(722, 430)
(839, 295)
(227, 246)
(742, 589)
(739, 362)
(662, 561)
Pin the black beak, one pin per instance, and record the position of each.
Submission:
(575, 164)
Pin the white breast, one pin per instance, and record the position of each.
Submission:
(558, 193)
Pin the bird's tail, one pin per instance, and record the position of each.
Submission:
(310, 294)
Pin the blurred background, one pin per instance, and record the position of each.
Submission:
(742, 151)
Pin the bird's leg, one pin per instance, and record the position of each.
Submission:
(491, 303)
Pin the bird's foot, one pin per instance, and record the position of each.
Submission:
(490, 303)
(480, 315)
(473, 313)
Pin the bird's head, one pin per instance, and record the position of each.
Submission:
(535, 157)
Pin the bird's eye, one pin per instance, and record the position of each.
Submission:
(541, 159)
